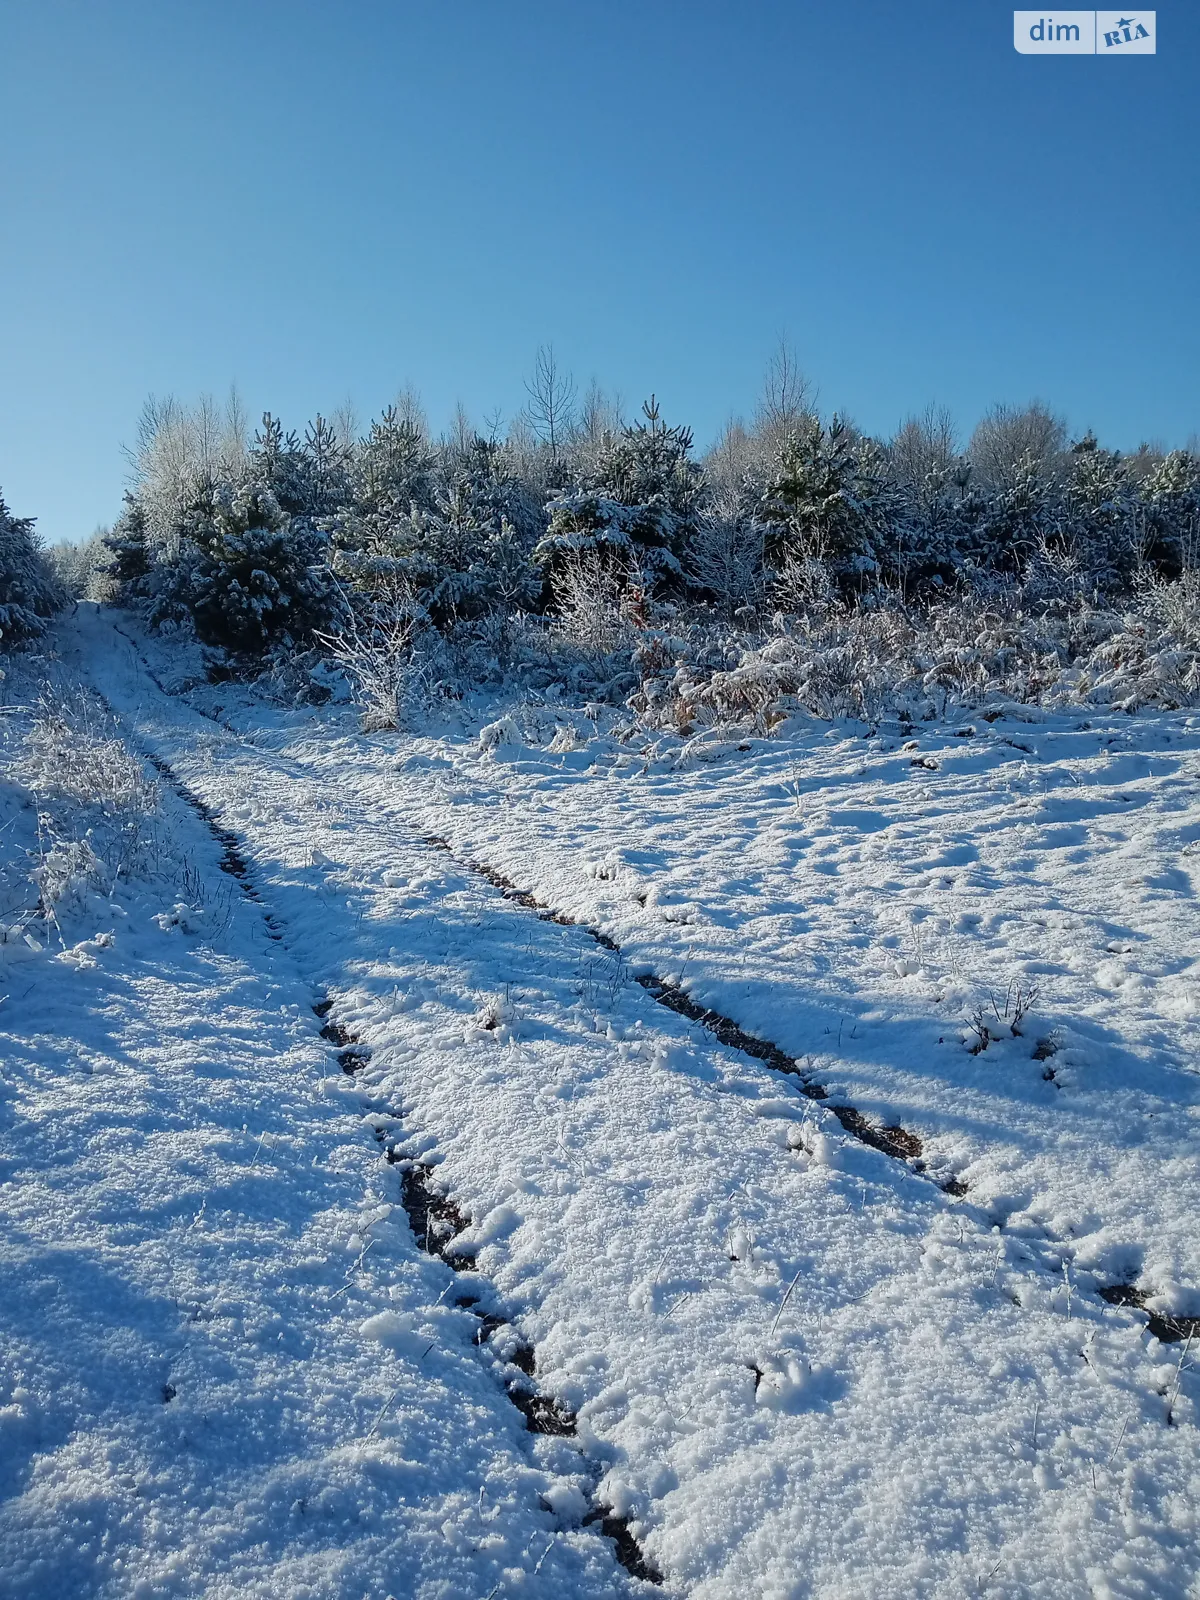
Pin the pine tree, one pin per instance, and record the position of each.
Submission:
(130, 564)
(29, 592)
(248, 575)
(1098, 516)
(393, 469)
(638, 504)
(326, 462)
(826, 500)
(308, 477)
(1014, 523)
(1170, 503)
(459, 546)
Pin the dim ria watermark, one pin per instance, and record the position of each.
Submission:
(1085, 33)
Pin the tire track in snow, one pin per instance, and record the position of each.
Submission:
(893, 1141)
(434, 1218)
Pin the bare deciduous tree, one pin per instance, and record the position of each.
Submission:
(551, 407)
(1011, 436)
(787, 397)
(734, 457)
(925, 444)
(410, 410)
(345, 424)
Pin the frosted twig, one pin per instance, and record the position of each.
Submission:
(784, 1301)
(1171, 1398)
(382, 1411)
(1112, 1453)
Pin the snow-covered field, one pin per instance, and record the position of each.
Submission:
(796, 1365)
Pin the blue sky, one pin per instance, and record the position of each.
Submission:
(328, 201)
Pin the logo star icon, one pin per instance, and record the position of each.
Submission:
(1125, 22)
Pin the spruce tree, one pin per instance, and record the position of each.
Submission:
(130, 564)
(29, 592)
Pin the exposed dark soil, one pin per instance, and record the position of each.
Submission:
(433, 1217)
(893, 1140)
(629, 1552)
(1169, 1329)
(436, 1220)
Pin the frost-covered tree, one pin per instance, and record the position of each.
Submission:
(456, 534)
(179, 452)
(82, 568)
(926, 532)
(394, 465)
(1012, 443)
(326, 462)
(824, 501)
(786, 403)
(309, 477)
(550, 407)
(637, 505)
(1097, 527)
(1170, 508)
(248, 576)
(30, 594)
(1015, 521)
(725, 553)
(391, 482)
(277, 461)
(129, 564)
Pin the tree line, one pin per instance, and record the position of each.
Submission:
(273, 538)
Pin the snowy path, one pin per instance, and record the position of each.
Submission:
(802, 1368)
(196, 1226)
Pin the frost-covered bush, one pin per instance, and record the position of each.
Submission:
(96, 806)
(30, 593)
(388, 653)
(887, 662)
(726, 555)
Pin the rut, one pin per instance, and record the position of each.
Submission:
(892, 1140)
(433, 1216)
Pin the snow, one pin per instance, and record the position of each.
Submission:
(857, 909)
(225, 1367)
(799, 1367)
